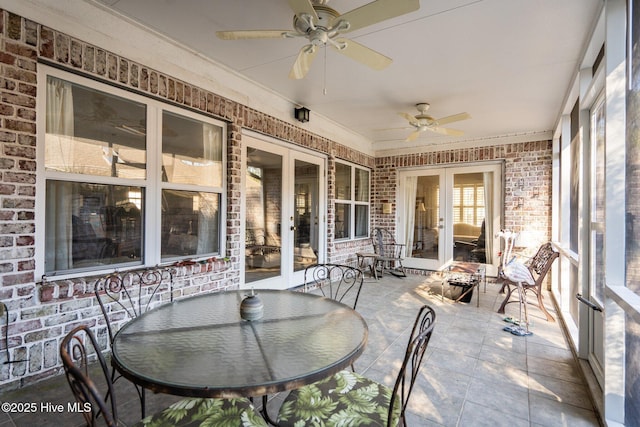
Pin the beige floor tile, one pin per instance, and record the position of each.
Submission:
(498, 373)
(506, 398)
(548, 413)
(572, 393)
(475, 415)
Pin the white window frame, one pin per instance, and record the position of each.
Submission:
(152, 185)
(352, 203)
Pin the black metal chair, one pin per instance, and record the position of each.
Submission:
(390, 253)
(124, 296)
(336, 281)
(342, 396)
(339, 282)
(79, 349)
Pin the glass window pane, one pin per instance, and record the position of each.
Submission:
(343, 220)
(190, 223)
(93, 132)
(468, 197)
(362, 220)
(191, 151)
(457, 196)
(362, 185)
(343, 181)
(92, 225)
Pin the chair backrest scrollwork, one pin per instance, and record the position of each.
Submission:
(131, 293)
(339, 282)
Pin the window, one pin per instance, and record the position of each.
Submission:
(352, 202)
(468, 204)
(127, 180)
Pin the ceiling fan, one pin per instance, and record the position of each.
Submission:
(322, 25)
(423, 122)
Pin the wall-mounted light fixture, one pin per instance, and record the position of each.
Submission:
(302, 114)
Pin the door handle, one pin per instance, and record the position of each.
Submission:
(588, 303)
(294, 228)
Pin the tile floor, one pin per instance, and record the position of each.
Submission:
(474, 373)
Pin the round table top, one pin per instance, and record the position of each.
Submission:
(201, 347)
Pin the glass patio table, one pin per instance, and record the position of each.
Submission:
(201, 347)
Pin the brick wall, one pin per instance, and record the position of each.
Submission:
(529, 164)
(41, 312)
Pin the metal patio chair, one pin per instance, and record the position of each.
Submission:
(342, 283)
(538, 266)
(361, 400)
(79, 350)
(127, 295)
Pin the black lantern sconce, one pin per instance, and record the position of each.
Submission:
(302, 114)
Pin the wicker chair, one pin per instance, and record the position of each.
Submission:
(79, 349)
(538, 266)
(340, 399)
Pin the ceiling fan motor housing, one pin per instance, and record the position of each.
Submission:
(326, 16)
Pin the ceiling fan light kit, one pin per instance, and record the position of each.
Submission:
(322, 26)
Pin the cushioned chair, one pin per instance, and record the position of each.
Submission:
(348, 398)
(390, 253)
(124, 296)
(538, 266)
(77, 350)
(339, 282)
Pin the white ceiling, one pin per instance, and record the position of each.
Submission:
(508, 63)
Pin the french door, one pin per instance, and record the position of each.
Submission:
(283, 213)
(451, 214)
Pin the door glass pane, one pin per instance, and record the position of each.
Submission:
(263, 215)
(469, 243)
(306, 214)
(427, 208)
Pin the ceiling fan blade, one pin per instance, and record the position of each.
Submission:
(413, 136)
(445, 131)
(453, 118)
(303, 6)
(362, 54)
(377, 11)
(409, 118)
(303, 62)
(386, 129)
(251, 34)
